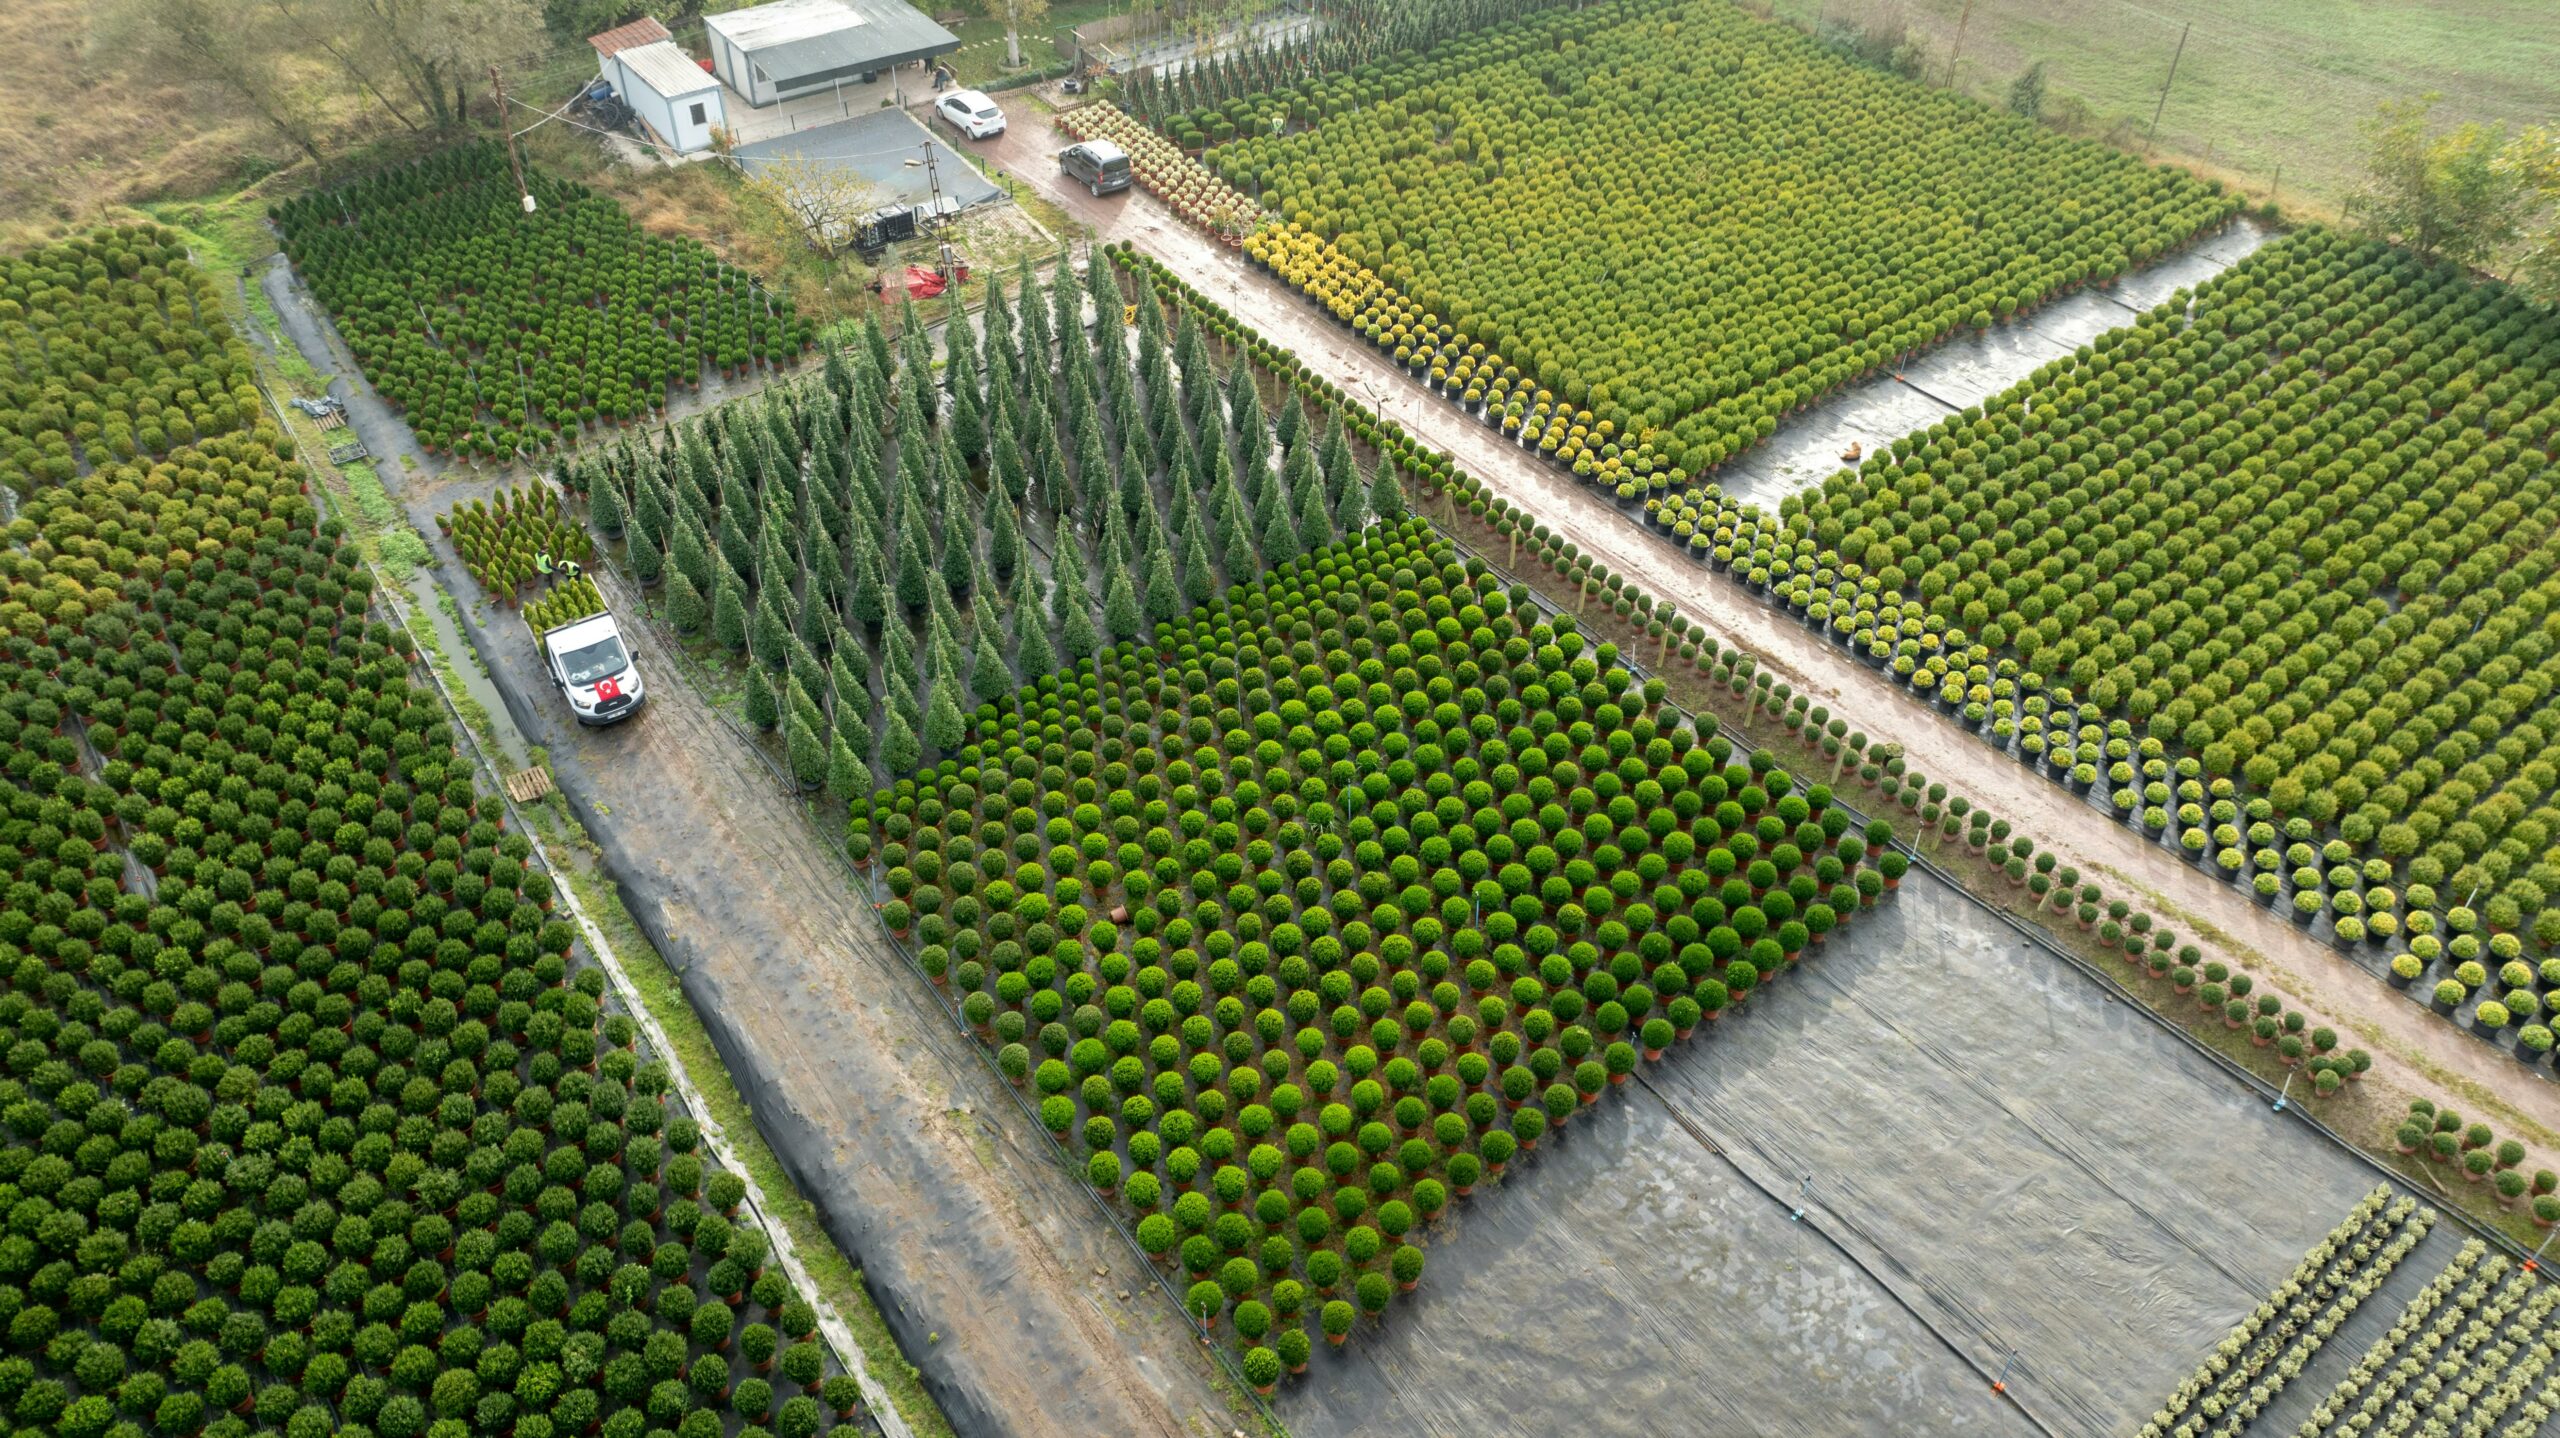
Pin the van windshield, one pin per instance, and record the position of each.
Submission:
(594, 661)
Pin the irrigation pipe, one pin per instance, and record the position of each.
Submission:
(831, 1325)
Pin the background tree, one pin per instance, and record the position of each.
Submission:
(1020, 15)
(2533, 157)
(2444, 195)
(233, 43)
(2026, 93)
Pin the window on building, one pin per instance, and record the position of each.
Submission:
(697, 114)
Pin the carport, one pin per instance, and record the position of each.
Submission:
(795, 48)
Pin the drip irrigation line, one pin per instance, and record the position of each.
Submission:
(1951, 406)
(879, 1409)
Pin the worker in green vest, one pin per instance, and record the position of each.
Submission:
(542, 566)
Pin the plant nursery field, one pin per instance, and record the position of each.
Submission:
(316, 1121)
(1399, 898)
(834, 535)
(1301, 912)
(494, 331)
(2307, 637)
(1649, 229)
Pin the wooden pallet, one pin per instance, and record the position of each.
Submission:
(526, 785)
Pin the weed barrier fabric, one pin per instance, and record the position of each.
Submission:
(2005, 1158)
(1968, 368)
(1625, 1283)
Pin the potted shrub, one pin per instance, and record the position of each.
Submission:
(2533, 1043)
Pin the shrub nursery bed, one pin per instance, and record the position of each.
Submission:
(117, 349)
(1641, 232)
(316, 1122)
(2271, 573)
(1311, 910)
(493, 330)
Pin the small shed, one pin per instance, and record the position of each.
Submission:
(671, 93)
(790, 48)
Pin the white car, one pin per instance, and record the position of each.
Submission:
(972, 114)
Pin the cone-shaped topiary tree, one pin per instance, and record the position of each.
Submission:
(763, 706)
(685, 609)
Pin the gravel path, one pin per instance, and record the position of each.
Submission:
(2414, 1050)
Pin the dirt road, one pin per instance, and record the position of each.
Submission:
(2413, 1048)
(1001, 1287)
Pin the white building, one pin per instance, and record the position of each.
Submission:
(672, 94)
(782, 51)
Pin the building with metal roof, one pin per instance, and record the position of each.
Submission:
(670, 92)
(791, 48)
(644, 31)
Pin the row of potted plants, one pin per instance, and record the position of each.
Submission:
(2252, 1364)
(1165, 170)
(2467, 1351)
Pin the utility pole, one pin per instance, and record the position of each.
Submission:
(515, 163)
(1962, 20)
(933, 188)
(2174, 57)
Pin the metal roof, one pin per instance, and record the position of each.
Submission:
(666, 69)
(792, 40)
(644, 31)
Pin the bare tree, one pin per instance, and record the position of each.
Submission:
(823, 200)
(439, 49)
(318, 25)
(225, 42)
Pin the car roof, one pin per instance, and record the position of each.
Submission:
(974, 99)
(1103, 150)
